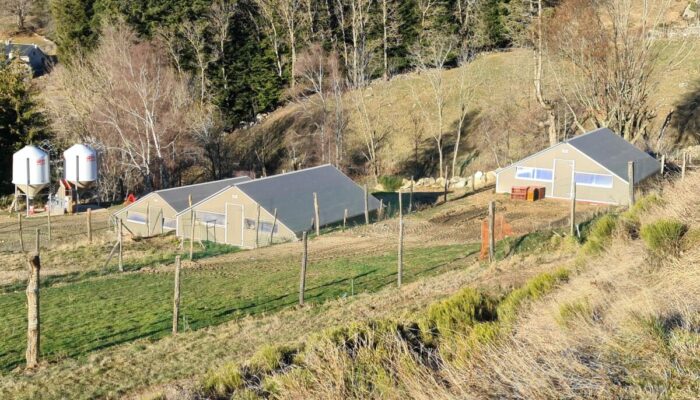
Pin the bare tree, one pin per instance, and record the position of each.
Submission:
(268, 11)
(545, 104)
(610, 59)
(20, 9)
(465, 95)
(289, 11)
(373, 134)
(126, 97)
(361, 49)
(220, 15)
(429, 60)
(312, 70)
(194, 33)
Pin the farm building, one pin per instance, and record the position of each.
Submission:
(231, 215)
(156, 212)
(596, 161)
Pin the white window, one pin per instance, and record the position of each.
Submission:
(169, 223)
(534, 174)
(135, 217)
(267, 227)
(595, 180)
(211, 218)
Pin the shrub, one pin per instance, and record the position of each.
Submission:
(630, 219)
(271, 358)
(568, 312)
(663, 237)
(459, 313)
(599, 234)
(391, 183)
(533, 290)
(224, 380)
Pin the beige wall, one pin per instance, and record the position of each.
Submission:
(157, 210)
(618, 194)
(217, 205)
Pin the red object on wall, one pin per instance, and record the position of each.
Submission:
(130, 198)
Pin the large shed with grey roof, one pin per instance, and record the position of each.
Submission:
(156, 212)
(596, 162)
(244, 214)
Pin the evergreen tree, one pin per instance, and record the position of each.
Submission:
(76, 27)
(21, 121)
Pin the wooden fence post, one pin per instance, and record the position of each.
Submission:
(274, 224)
(663, 164)
(492, 224)
(192, 221)
(48, 221)
(380, 212)
(317, 217)
(33, 317)
(399, 274)
(176, 296)
(630, 179)
(89, 225)
(573, 209)
(447, 184)
(302, 275)
(121, 245)
(21, 236)
(685, 158)
(257, 227)
(345, 218)
(410, 198)
(366, 206)
(148, 218)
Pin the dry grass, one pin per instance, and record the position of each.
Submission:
(626, 326)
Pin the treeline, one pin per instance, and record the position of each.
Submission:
(245, 52)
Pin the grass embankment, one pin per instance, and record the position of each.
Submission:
(92, 314)
(364, 359)
(626, 327)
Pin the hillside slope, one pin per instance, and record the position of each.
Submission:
(502, 123)
(620, 320)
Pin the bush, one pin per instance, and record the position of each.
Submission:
(663, 237)
(533, 290)
(460, 312)
(391, 183)
(630, 219)
(600, 233)
(570, 311)
(271, 358)
(224, 380)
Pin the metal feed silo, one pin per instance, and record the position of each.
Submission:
(30, 171)
(80, 165)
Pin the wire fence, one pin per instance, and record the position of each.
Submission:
(80, 314)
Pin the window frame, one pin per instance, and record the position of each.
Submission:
(134, 221)
(210, 222)
(595, 185)
(534, 174)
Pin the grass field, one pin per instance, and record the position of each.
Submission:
(102, 312)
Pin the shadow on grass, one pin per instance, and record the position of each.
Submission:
(211, 250)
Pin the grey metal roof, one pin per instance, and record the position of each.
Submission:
(292, 195)
(613, 153)
(178, 198)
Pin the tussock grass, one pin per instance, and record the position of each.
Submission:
(663, 237)
(362, 360)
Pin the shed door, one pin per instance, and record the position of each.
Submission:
(563, 178)
(234, 224)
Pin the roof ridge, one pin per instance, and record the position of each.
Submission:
(285, 174)
(198, 184)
